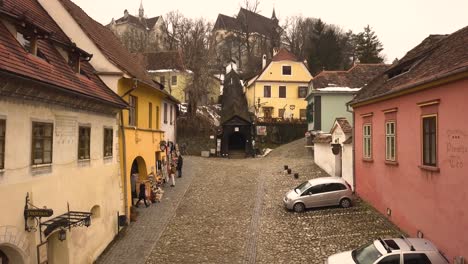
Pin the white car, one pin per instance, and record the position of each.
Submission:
(392, 251)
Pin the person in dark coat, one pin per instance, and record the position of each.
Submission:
(142, 194)
(180, 163)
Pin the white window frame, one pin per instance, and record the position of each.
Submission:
(367, 141)
(390, 140)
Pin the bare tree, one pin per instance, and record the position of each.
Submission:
(251, 5)
(171, 23)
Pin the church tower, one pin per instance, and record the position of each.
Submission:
(141, 11)
(273, 16)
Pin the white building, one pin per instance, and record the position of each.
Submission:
(58, 144)
(341, 163)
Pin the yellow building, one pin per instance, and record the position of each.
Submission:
(151, 107)
(279, 91)
(168, 68)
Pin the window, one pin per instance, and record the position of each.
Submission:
(367, 141)
(157, 117)
(84, 140)
(2, 143)
(287, 70)
(282, 92)
(74, 61)
(267, 112)
(108, 138)
(332, 187)
(302, 114)
(162, 80)
(150, 115)
(392, 259)
(174, 80)
(321, 188)
(281, 112)
(29, 43)
(302, 92)
(390, 141)
(41, 143)
(171, 115)
(132, 116)
(416, 258)
(266, 91)
(165, 113)
(429, 128)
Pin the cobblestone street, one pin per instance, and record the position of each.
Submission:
(232, 212)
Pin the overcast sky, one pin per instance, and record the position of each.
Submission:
(399, 24)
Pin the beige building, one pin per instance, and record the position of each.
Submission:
(139, 33)
(280, 89)
(58, 144)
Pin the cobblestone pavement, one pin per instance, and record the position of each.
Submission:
(233, 213)
(134, 244)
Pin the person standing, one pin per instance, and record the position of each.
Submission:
(172, 172)
(180, 163)
(142, 194)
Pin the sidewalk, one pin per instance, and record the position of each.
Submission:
(134, 244)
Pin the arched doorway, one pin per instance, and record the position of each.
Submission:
(138, 172)
(10, 255)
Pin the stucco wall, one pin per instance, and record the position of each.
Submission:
(324, 157)
(81, 184)
(433, 202)
(333, 106)
(347, 164)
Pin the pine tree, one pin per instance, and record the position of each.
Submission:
(368, 47)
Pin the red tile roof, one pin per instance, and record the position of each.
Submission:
(145, 23)
(345, 125)
(437, 57)
(284, 54)
(246, 19)
(55, 70)
(164, 60)
(356, 77)
(109, 44)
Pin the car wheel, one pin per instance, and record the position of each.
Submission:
(345, 203)
(299, 208)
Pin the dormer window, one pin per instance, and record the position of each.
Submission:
(28, 42)
(74, 61)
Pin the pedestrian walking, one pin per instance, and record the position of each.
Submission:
(142, 194)
(172, 172)
(180, 163)
(164, 170)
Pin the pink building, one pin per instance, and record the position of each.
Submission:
(411, 142)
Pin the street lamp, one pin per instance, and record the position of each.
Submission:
(87, 221)
(62, 235)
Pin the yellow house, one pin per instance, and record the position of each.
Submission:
(140, 126)
(279, 91)
(167, 68)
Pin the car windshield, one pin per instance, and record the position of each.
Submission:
(366, 254)
(302, 187)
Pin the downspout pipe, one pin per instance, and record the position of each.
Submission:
(124, 147)
(354, 146)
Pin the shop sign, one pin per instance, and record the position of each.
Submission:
(236, 129)
(38, 212)
(261, 131)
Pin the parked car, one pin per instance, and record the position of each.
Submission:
(392, 251)
(318, 192)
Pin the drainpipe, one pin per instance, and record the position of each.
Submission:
(124, 147)
(354, 147)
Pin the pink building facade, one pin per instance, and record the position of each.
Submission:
(411, 148)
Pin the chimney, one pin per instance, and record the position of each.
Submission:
(125, 13)
(275, 51)
(263, 61)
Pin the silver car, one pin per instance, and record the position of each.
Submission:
(392, 251)
(318, 192)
